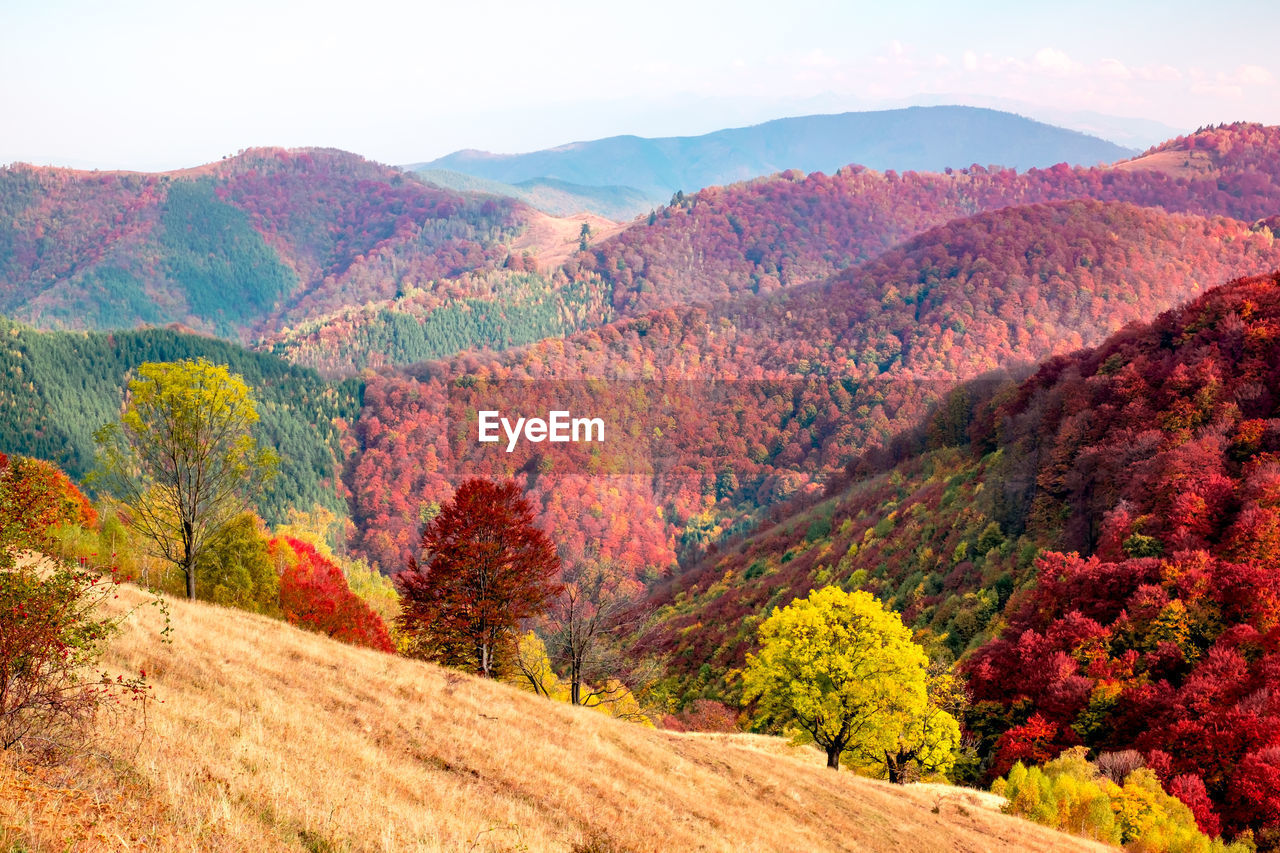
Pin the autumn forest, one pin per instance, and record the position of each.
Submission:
(1021, 428)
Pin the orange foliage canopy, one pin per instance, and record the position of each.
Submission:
(38, 497)
(314, 594)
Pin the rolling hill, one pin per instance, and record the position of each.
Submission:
(820, 379)
(291, 249)
(237, 247)
(764, 396)
(917, 138)
(756, 238)
(1100, 539)
(791, 229)
(265, 737)
(559, 198)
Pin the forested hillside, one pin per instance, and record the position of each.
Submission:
(235, 247)
(791, 229)
(59, 387)
(343, 263)
(815, 374)
(781, 232)
(1148, 463)
(489, 309)
(887, 480)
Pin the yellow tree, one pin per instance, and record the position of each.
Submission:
(534, 669)
(844, 671)
(182, 457)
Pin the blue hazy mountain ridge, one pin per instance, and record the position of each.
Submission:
(550, 195)
(915, 138)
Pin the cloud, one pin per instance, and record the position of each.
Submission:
(1114, 69)
(1162, 73)
(819, 58)
(899, 56)
(989, 64)
(1225, 91)
(1231, 85)
(1253, 75)
(1055, 61)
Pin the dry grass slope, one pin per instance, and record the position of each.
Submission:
(270, 738)
(1179, 164)
(554, 239)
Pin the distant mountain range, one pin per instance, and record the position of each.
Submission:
(556, 197)
(912, 139)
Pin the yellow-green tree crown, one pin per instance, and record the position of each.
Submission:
(846, 673)
(198, 406)
(187, 426)
(183, 457)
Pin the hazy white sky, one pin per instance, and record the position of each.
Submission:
(156, 85)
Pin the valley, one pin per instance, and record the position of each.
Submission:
(1031, 410)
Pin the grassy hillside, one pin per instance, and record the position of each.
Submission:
(269, 738)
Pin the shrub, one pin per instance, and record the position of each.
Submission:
(1072, 794)
(37, 498)
(235, 569)
(1117, 766)
(703, 715)
(51, 633)
(314, 595)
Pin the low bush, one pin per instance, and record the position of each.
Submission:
(52, 631)
(1072, 794)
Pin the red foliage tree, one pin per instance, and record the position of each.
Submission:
(39, 497)
(1034, 742)
(314, 595)
(485, 567)
(1255, 792)
(1190, 789)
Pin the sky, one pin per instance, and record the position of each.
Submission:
(163, 85)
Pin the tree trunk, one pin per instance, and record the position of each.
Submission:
(188, 561)
(899, 765)
(833, 757)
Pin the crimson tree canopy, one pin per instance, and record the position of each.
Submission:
(484, 568)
